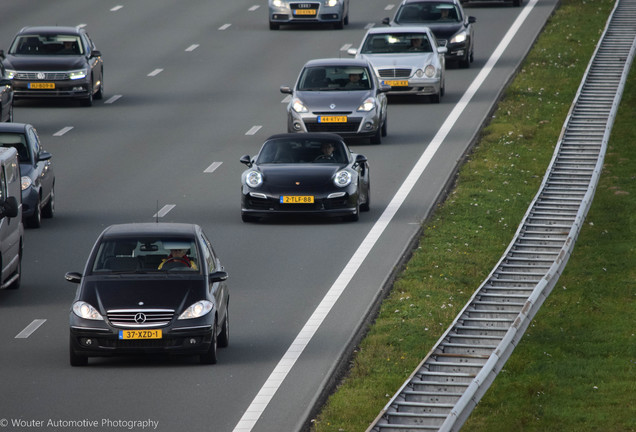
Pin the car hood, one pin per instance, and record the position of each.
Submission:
(341, 100)
(44, 63)
(446, 31)
(174, 293)
(414, 60)
(26, 169)
(299, 176)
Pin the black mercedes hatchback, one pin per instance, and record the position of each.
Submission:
(150, 288)
(55, 62)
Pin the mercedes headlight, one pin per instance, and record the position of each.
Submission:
(197, 310)
(26, 182)
(342, 178)
(430, 71)
(367, 105)
(254, 179)
(86, 311)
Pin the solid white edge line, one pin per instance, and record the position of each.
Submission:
(30, 329)
(273, 383)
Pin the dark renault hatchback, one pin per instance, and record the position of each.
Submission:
(150, 288)
(55, 62)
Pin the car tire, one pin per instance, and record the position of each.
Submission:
(49, 209)
(100, 93)
(18, 271)
(210, 356)
(247, 218)
(377, 138)
(35, 221)
(367, 204)
(384, 126)
(340, 24)
(224, 337)
(436, 98)
(76, 359)
(355, 216)
(88, 100)
(273, 26)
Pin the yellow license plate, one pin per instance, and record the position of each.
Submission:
(397, 83)
(42, 85)
(297, 199)
(332, 119)
(305, 12)
(140, 334)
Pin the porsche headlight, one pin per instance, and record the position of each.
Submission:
(299, 107)
(254, 179)
(78, 74)
(342, 178)
(86, 311)
(459, 37)
(26, 182)
(197, 310)
(367, 105)
(429, 71)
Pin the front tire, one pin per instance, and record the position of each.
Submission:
(210, 356)
(35, 221)
(49, 209)
(224, 337)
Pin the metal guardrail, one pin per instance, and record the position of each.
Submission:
(446, 386)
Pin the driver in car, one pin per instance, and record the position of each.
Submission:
(178, 256)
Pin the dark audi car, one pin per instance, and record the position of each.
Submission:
(38, 177)
(46, 62)
(150, 288)
(312, 173)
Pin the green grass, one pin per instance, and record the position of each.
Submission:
(574, 369)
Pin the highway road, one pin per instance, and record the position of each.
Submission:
(190, 87)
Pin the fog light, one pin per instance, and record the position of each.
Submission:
(297, 127)
(78, 89)
(368, 125)
(193, 341)
(86, 341)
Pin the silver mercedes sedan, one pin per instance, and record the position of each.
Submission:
(408, 59)
(334, 12)
(342, 96)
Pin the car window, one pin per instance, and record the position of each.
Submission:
(144, 254)
(300, 151)
(427, 12)
(334, 78)
(17, 141)
(47, 45)
(396, 43)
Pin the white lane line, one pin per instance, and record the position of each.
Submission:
(389, 7)
(155, 72)
(63, 131)
(369, 26)
(164, 211)
(192, 47)
(284, 366)
(225, 26)
(28, 330)
(82, 25)
(253, 8)
(112, 99)
(253, 130)
(212, 167)
(345, 47)
(116, 8)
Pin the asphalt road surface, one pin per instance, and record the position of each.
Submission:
(190, 87)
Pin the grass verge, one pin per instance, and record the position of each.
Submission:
(574, 369)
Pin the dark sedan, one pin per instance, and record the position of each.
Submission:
(6, 96)
(150, 288)
(38, 177)
(448, 21)
(313, 173)
(55, 62)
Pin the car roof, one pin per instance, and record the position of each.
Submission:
(50, 30)
(309, 135)
(13, 127)
(151, 228)
(337, 62)
(400, 29)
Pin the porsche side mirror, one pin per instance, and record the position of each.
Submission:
(247, 160)
(360, 159)
(386, 21)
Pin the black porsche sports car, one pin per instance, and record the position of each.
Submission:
(310, 173)
(150, 288)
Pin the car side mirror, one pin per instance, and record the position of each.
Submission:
(384, 88)
(442, 49)
(352, 51)
(247, 160)
(73, 277)
(9, 208)
(386, 21)
(218, 276)
(472, 19)
(360, 159)
(286, 90)
(44, 155)
(96, 53)
(2, 53)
